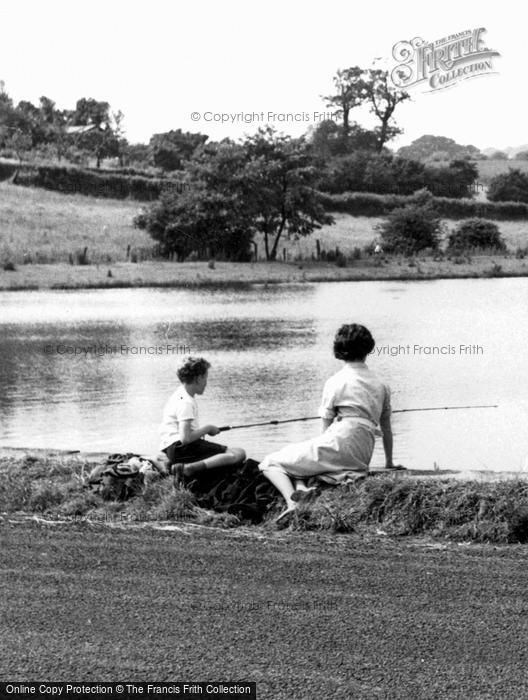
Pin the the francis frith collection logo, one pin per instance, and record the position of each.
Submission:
(442, 63)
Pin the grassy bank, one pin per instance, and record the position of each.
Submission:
(198, 274)
(399, 504)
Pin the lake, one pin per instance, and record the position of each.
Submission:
(91, 370)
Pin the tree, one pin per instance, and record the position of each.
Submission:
(172, 149)
(509, 187)
(136, 154)
(428, 146)
(212, 216)
(349, 93)
(499, 155)
(328, 141)
(522, 155)
(384, 100)
(281, 175)
(104, 139)
(356, 86)
(89, 111)
(454, 181)
(234, 191)
(367, 171)
(16, 140)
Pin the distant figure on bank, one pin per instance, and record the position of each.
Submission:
(182, 439)
(354, 402)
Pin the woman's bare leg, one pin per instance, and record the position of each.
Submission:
(282, 482)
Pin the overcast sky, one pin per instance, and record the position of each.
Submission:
(160, 61)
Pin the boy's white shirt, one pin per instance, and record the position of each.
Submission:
(180, 406)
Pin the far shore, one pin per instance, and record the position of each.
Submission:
(225, 274)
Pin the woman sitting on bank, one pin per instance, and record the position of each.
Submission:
(354, 402)
(182, 439)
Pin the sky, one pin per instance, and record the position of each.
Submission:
(162, 61)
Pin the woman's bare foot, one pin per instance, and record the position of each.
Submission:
(286, 513)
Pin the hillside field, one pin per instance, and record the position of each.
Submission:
(43, 227)
(490, 168)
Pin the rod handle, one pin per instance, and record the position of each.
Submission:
(223, 428)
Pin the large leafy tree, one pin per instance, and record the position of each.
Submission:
(383, 99)
(328, 141)
(426, 146)
(349, 93)
(235, 191)
(355, 87)
(105, 139)
(210, 215)
(282, 175)
(172, 149)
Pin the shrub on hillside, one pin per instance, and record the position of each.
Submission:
(411, 229)
(509, 187)
(475, 233)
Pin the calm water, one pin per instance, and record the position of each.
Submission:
(271, 353)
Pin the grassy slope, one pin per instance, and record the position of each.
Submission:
(305, 616)
(51, 226)
(490, 168)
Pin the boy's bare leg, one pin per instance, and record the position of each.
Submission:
(234, 455)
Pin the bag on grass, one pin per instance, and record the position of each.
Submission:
(121, 477)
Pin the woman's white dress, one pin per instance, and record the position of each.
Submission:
(358, 401)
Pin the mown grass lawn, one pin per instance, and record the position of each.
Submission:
(302, 614)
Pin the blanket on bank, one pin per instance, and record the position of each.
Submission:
(244, 491)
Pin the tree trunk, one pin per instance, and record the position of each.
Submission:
(346, 124)
(266, 245)
(277, 238)
(383, 134)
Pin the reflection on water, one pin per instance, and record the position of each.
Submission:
(451, 342)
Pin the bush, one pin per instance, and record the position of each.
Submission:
(476, 233)
(411, 229)
(509, 187)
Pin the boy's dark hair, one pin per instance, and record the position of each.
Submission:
(192, 368)
(353, 342)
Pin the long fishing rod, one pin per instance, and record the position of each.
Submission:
(399, 410)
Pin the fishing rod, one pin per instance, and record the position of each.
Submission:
(399, 410)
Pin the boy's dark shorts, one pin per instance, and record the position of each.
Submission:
(193, 451)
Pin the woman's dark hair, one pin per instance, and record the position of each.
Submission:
(353, 342)
(192, 368)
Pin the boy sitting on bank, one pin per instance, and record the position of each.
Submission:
(182, 440)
